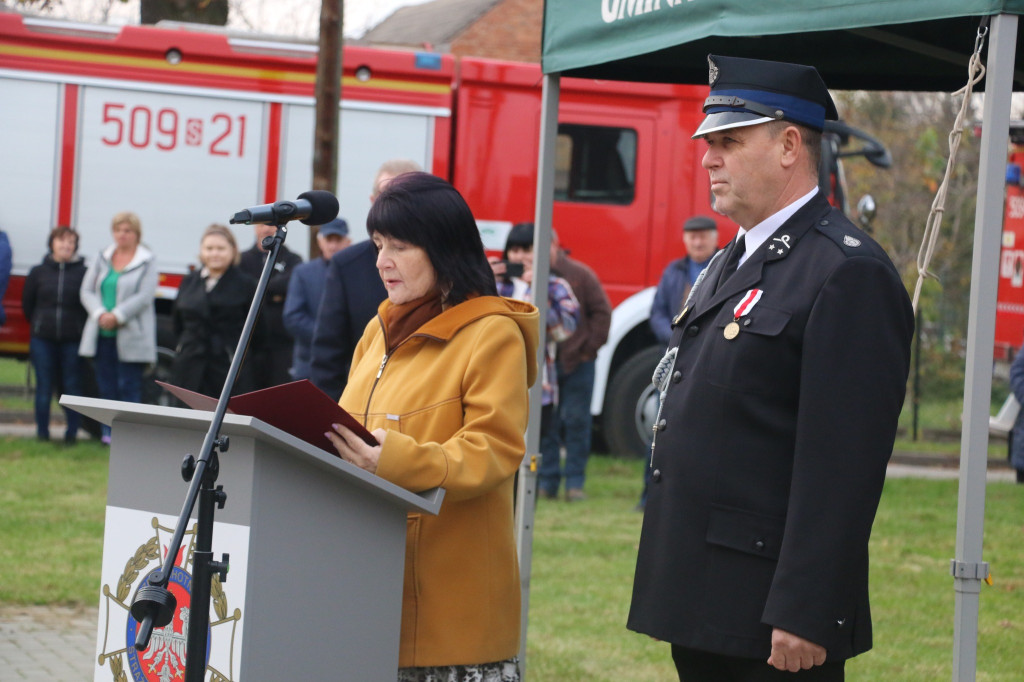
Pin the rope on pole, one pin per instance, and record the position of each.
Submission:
(975, 72)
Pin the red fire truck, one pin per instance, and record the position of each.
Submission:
(184, 126)
(1010, 300)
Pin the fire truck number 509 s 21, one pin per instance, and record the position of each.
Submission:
(164, 129)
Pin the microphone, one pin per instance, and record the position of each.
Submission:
(315, 207)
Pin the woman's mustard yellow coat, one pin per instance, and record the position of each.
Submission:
(453, 397)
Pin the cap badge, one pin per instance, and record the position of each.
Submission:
(851, 241)
(712, 71)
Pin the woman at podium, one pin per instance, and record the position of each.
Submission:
(440, 377)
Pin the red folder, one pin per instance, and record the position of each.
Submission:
(298, 408)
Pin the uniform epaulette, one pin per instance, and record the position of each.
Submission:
(848, 238)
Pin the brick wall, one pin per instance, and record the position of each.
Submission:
(511, 31)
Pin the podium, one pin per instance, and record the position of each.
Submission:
(316, 549)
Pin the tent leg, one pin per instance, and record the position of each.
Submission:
(541, 268)
(968, 568)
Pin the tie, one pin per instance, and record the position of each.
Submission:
(732, 260)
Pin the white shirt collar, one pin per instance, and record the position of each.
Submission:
(760, 233)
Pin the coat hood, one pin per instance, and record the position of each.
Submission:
(142, 254)
(49, 262)
(448, 323)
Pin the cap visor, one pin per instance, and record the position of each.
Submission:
(724, 120)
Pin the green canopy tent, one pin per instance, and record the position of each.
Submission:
(855, 44)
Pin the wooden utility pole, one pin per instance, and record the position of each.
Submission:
(328, 96)
(328, 100)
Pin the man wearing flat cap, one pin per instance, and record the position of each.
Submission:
(700, 236)
(781, 389)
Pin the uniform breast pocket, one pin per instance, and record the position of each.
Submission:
(756, 357)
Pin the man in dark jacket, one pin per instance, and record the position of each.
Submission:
(5, 271)
(781, 390)
(1017, 435)
(270, 358)
(305, 291)
(352, 292)
(700, 236)
(571, 420)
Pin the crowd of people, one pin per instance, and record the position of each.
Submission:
(100, 319)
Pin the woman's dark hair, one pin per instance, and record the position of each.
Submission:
(57, 233)
(521, 234)
(423, 210)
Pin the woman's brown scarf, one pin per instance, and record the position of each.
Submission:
(400, 321)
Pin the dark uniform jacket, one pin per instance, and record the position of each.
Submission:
(277, 290)
(208, 326)
(270, 355)
(771, 448)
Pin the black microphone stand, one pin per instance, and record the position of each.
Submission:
(154, 605)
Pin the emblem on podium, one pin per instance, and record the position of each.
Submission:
(164, 659)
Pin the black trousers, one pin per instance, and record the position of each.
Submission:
(701, 666)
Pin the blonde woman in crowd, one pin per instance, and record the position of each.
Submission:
(120, 331)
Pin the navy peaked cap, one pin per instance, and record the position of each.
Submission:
(746, 92)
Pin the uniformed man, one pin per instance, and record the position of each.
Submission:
(781, 390)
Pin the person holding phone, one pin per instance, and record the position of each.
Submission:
(440, 378)
(514, 274)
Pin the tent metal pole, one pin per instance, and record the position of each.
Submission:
(527, 489)
(967, 568)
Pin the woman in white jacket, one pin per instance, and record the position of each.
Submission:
(118, 294)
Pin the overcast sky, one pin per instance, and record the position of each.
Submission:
(287, 17)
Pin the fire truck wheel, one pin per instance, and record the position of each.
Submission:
(631, 405)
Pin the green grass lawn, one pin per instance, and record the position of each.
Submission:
(18, 398)
(12, 372)
(52, 502)
(583, 568)
(51, 519)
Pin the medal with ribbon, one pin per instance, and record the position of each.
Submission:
(746, 304)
